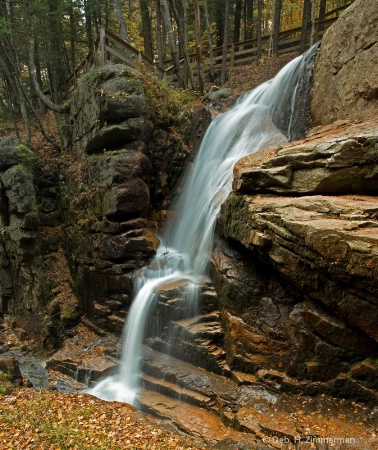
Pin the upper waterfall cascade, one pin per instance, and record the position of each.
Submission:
(266, 116)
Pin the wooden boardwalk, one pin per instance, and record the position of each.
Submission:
(111, 49)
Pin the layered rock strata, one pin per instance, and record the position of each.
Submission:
(319, 323)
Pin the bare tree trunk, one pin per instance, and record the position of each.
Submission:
(33, 76)
(248, 19)
(219, 21)
(88, 24)
(237, 19)
(322, 9)
(259, 31)
(313, 24)
(146, 29)
(174, 52)
(305, 20)
(182, 42)
(322, 14)
(225, 41)
(159, 35)
(12, 74)
(276, 25)
(121, 20)
(209, 40)
(72, 62)
(198, 45)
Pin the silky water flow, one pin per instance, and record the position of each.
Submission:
(264, 117)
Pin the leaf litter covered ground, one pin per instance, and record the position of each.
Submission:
(31, 419)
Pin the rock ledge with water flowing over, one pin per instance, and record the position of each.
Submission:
(319, 325)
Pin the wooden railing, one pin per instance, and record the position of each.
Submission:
(109, 48)
(245, 52)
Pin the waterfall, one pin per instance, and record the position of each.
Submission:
(261, 118)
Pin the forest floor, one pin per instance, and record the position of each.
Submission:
(46, 420)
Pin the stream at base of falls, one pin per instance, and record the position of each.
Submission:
(270, 115)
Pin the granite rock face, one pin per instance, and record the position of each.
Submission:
(345, 77)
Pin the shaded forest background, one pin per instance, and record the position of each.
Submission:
(42, 41)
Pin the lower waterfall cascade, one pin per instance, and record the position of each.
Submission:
(266, 116)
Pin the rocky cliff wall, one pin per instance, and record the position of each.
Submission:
(126, 149)
(296, 266)
(314, 317)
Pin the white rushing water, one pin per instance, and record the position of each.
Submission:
(187, 240)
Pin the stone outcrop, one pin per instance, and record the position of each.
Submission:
(75, 226)
(20, 286)
(345, 81)
(334, 164)
(30, 297)
(9, 365)
(122, 160)
(310, 259)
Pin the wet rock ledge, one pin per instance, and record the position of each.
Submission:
(307, 213)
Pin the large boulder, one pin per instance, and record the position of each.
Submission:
(345, 77)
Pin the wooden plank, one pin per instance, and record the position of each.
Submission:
(128, 61)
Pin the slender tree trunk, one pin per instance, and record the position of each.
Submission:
(146, 29)
(88, 24)
(225, 41)
(313, 23)
(38, 75)
(11, 71)
(72, 62)
(322, 14)
(209, 40)
(56, 52)
(248, 11)
(219, 22)
(305, 21)
(33, 75)
(322, 9)
(174, 52)
(182, 41)
(276, 25)
(159, 35)
(259, 31)
(198, 45)
(237, 20)
(121, 20)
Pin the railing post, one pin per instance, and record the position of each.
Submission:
(102, 47)
(232, 55)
